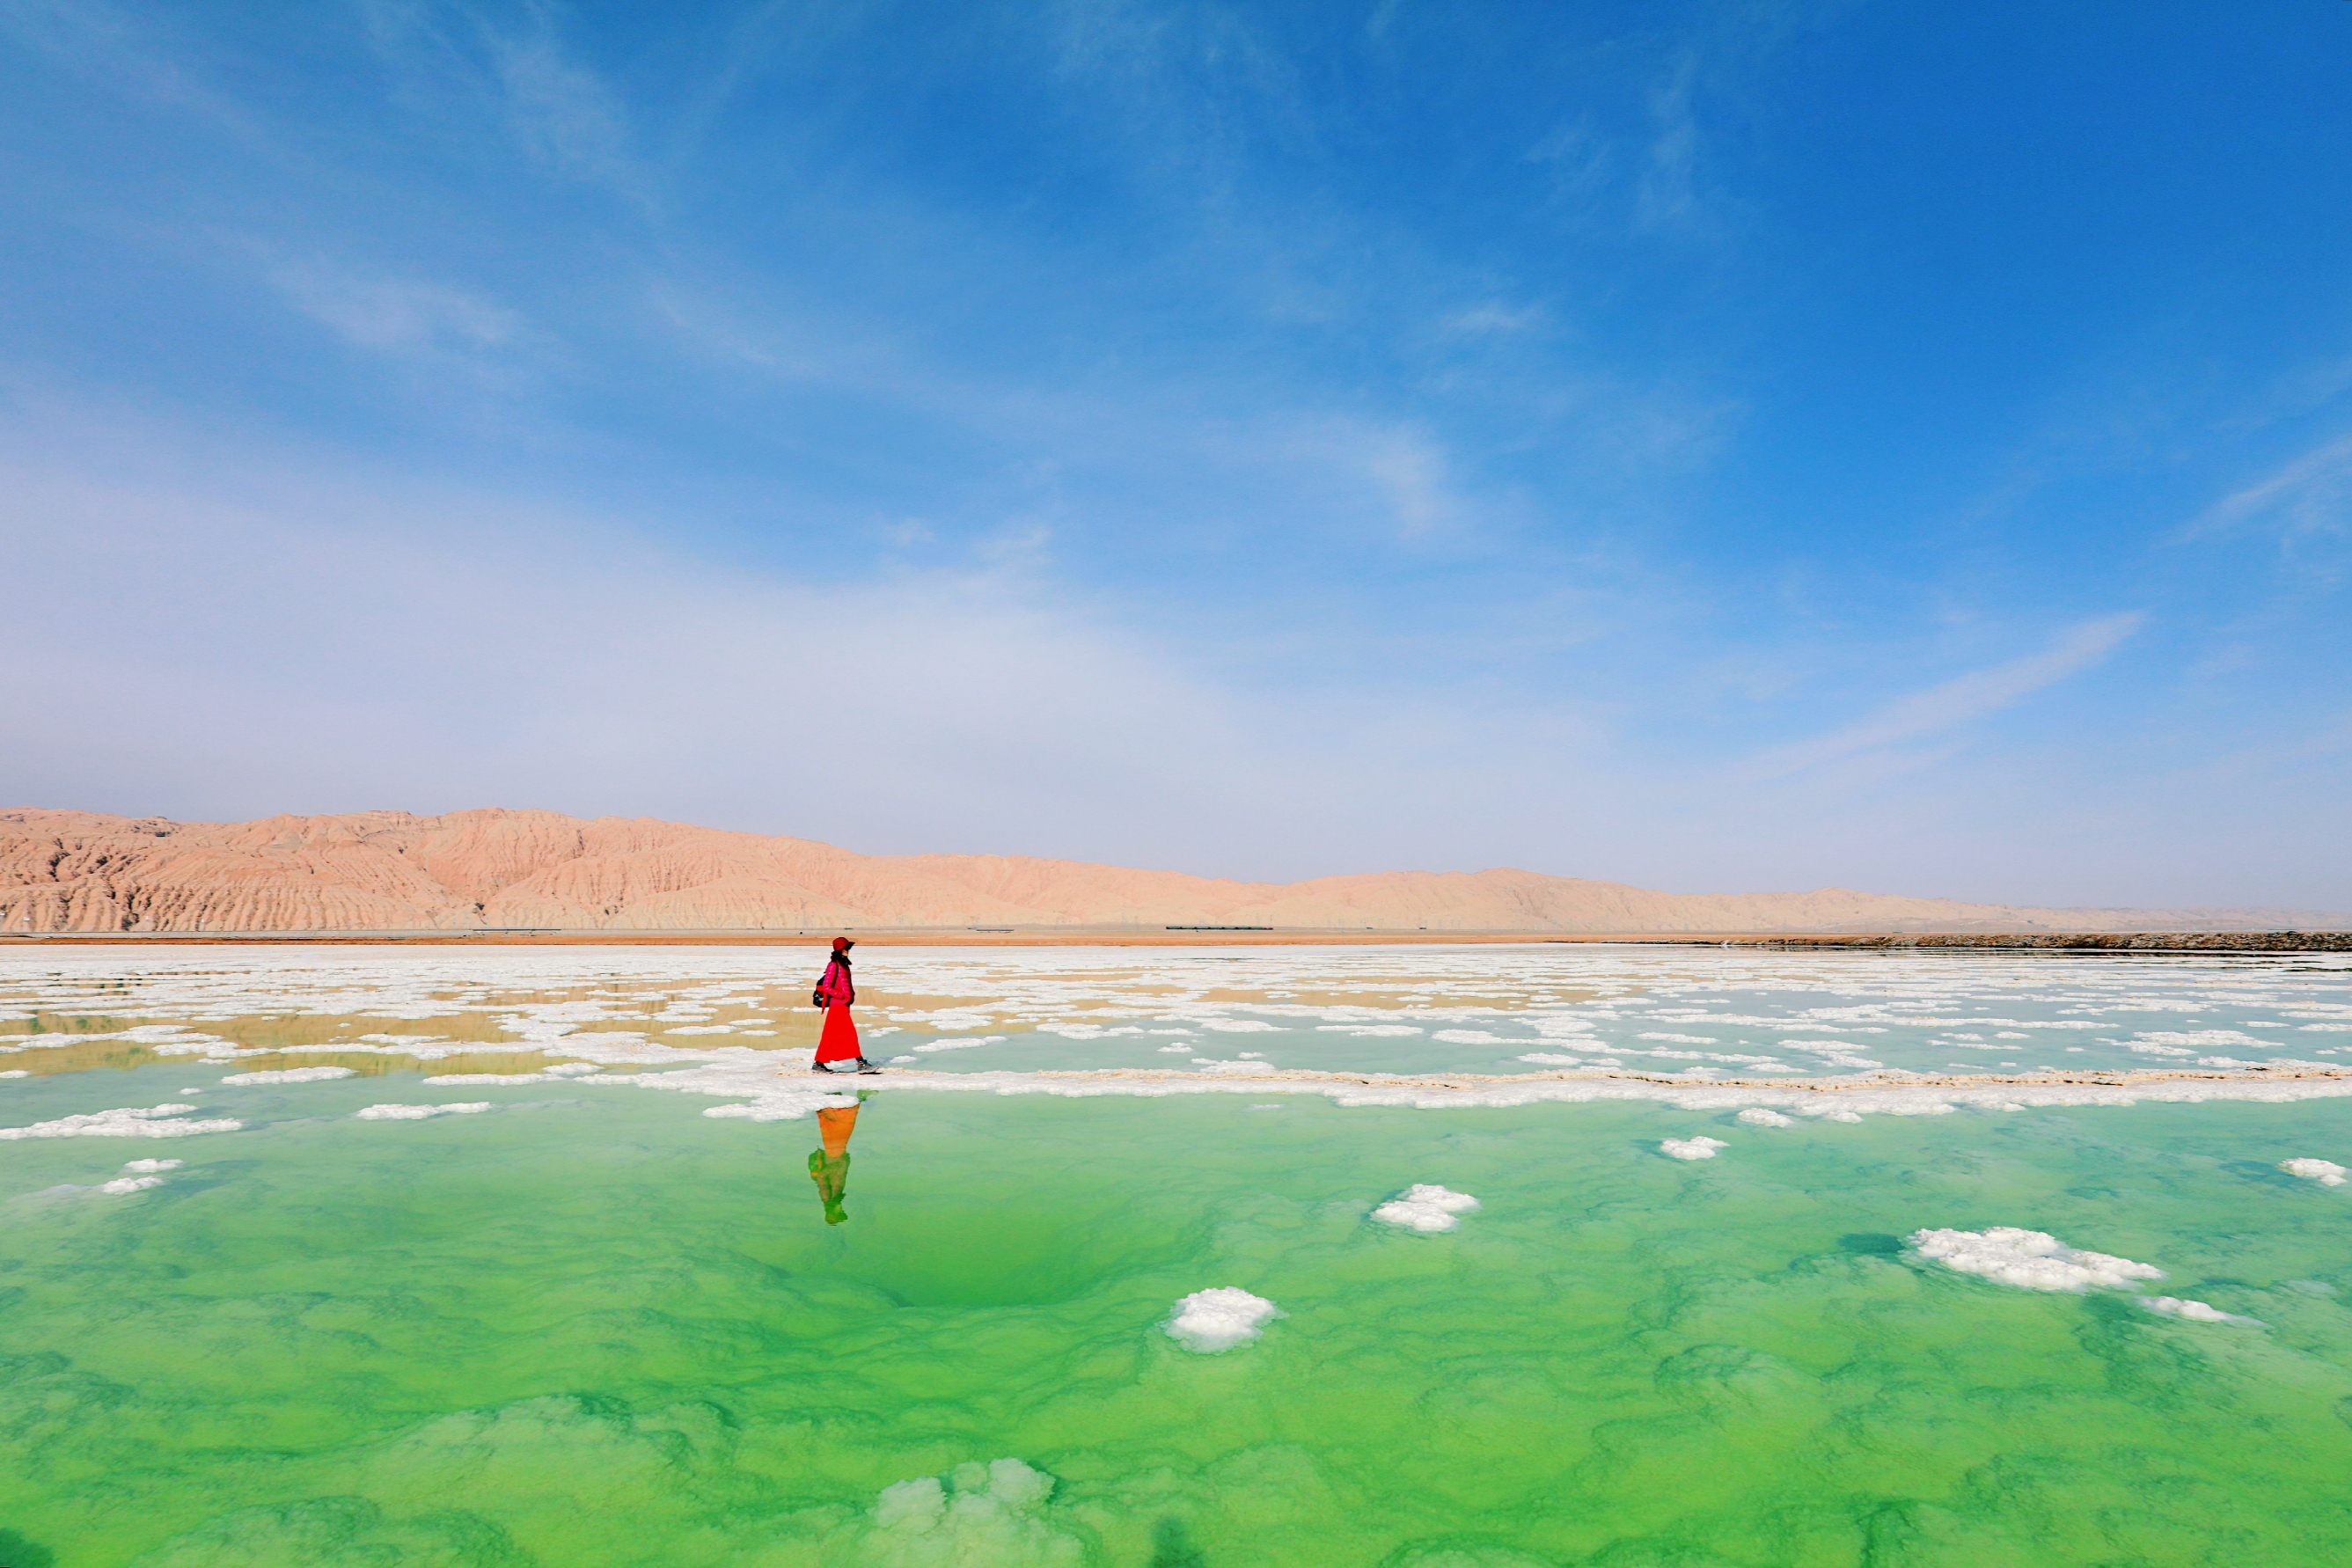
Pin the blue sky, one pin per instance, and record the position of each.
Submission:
(1715, 446)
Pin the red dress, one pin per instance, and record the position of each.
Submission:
(839, 1041)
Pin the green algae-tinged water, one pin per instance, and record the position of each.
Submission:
(598, 1328)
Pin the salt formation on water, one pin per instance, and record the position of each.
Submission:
(131, 1121)
(2326, 1173)
(290, 1074)
(419, 1112)
(1761, 1116)
(992, 1513)
(1692, 1148)
(2195, 1311)
(2030, 1260)
(1425, 1207)
(1219, 1318)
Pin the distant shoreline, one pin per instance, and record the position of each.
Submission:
(2004, 942)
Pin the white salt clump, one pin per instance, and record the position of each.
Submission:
(150, 1166)
(1692, 1148)
(573, 1069)
(992, 1513)
(2195, 1311)
(129, 1183)
(1426, 1208)
(1218, 1319)
(2326, 1173)
(131, 1121)
(17, 1072)
(963, 1045)
(290, 1074)
(2030, 1260)
(1758, 1116)
(418, 1112)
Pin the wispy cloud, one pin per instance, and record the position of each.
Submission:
(469, 65)
(395, 315)
(2310, 495)
(1954, 703)
(1667, 196)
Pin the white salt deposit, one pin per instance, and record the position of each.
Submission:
(965, 1045)
(148, 1167)
(2326, 1173)
(2195, 1311)
(132, 1121)
(1758, 1116)
(994, 1513)
(1692, 1148)
(1217, 1319)
(2029, 1259)
(17, 1072)
(129, 1183)
(418, 1112)
(290, 1074)
(1426, 1208)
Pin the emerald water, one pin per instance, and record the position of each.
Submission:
(580, 1323)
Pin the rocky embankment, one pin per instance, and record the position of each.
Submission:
(68, 871)
(2092, 942)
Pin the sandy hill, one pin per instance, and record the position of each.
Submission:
(387, 870)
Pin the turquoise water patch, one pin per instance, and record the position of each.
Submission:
(590, 1326)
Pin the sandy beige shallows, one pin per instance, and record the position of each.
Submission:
(388, 870)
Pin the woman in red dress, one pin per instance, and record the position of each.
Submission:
(835, 993)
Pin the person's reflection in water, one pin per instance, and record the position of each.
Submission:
(829, 1166)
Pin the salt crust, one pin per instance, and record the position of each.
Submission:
(1213, 1320)
(2195, 1311)
(1426, 1208)
(1692, 1148)
(131, 1121)
(130, 1184)
(291, 1074)
(149, 1167)
(2029, 1259)
(2326, 1173)
(1913, 996)
(418, 1112)
(1761, 1116)
(992, 1513)
(15, 1072)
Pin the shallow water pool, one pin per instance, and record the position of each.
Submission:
(576, 1324)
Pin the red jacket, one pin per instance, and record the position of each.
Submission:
(837, 987)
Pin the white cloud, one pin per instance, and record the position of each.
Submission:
(395, 315)
(2310, 494)
(1956, 701)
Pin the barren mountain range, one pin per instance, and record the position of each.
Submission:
(388, 870)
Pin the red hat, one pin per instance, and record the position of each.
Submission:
(842, 944)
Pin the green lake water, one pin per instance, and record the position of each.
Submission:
(596, 1327)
